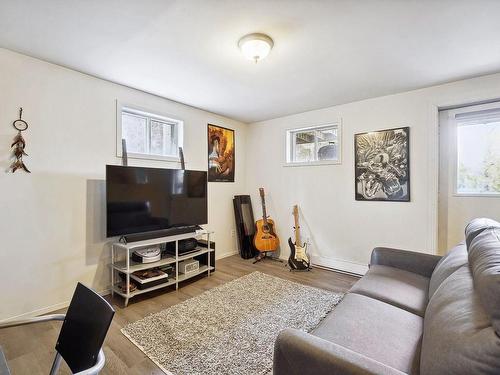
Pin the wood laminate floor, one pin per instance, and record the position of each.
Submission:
(30, 349)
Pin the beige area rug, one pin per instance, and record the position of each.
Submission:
(230, 329)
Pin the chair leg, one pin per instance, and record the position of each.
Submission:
(55, 366)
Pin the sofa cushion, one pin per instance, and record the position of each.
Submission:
(476, 226)
(458, 336)
(4, 369)
(484, 261)
(448, 264)
(399, 288)
(376, 330)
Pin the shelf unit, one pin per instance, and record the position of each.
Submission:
(121, 262)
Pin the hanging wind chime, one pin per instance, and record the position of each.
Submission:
(19, 144)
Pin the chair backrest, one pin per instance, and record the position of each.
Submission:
(84, 329)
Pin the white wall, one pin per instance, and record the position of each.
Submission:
(344, 231)
(52, 220)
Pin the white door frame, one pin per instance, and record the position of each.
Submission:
(433, 157)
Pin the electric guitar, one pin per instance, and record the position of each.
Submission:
(298, 259)
(265, 238)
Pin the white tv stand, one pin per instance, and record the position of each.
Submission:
(121, 262)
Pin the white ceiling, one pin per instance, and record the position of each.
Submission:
(325, 53)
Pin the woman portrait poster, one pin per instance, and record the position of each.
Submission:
(220, 154)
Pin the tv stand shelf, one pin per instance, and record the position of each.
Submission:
(121, 262)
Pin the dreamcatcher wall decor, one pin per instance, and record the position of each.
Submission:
(19, 144)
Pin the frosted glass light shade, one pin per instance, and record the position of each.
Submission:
(256, 46)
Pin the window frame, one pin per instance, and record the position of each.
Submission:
(178, 127)
(289, 146)
(454, 146)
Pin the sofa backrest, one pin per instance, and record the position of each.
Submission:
(458, 256)
(484, 261)
(448, 264)
(462, 319)
(476, 226)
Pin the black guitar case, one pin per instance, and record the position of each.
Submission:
(245, 225)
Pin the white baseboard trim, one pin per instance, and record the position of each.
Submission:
(47, 309)
(225, 255)
(341, 265)
(337, 265)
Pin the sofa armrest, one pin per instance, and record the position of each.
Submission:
(300, 353)
(420, 263)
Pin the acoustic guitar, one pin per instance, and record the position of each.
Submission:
(298, 259)
(265, 238)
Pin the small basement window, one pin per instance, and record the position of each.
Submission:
(314, 145)
(148, 135)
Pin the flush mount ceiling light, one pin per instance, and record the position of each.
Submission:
(256, 46)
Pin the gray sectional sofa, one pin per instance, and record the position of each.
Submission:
(412, 313)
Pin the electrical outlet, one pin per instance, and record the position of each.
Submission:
(233, 233)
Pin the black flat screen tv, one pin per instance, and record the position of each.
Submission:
(140, 200)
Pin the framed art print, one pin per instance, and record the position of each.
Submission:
(221, 153)
(382, 165)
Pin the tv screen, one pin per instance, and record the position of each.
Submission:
(150, 199)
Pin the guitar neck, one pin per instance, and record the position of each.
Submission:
(264, 212)
(297, 228)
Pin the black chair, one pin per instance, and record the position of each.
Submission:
(83, 331)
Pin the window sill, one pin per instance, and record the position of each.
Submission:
(312, 163)
(172, 159)
(476, 195)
